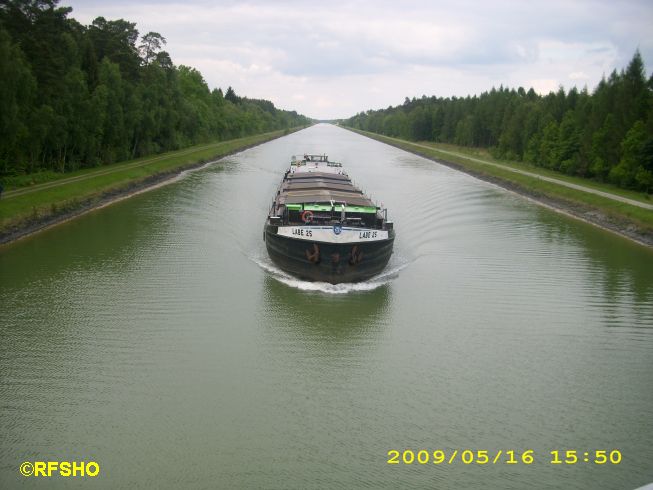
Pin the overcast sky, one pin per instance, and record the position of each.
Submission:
(334, 59)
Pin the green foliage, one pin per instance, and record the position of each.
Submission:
(635, 169)
(605, 135)
(76, 96)
(17, 94)
(52, 192)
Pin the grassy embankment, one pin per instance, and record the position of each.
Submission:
(616, 215)
(63, 195)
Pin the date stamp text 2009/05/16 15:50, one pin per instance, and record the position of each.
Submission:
(501, 456)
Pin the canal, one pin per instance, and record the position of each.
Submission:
(155, 338)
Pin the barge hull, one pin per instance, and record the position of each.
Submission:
(328, 262)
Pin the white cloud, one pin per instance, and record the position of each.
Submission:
(544, 85)
(334, 59)
(578, 75)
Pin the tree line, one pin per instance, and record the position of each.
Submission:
(74, 96)
(606, 135)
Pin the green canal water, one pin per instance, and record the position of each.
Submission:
(155, 338)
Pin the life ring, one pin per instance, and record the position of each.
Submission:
(307, 216)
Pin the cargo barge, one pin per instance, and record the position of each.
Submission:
(321, 227)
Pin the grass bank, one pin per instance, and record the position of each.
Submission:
(58, 197)
(625, 212)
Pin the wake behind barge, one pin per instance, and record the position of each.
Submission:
(323, 228)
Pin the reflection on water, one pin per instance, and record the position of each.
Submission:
(330, 318)
(600, 247)
(620, 275)
(499, 325)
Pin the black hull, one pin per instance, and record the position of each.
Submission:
(334, 263)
